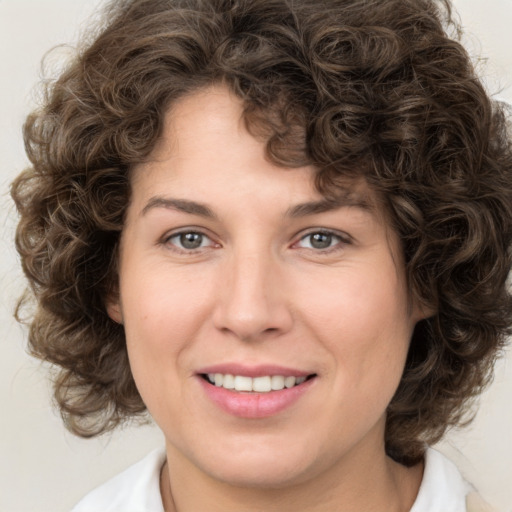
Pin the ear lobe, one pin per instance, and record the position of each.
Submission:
(423, 311)
(114, 309)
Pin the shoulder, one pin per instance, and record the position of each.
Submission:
(444, 488)
(136, 489)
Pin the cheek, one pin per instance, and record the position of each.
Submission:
(162, 302)
(358, 303)
(162, 317)
(164, 311)
(363, 322)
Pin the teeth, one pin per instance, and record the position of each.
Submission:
(263, 384)
(277, 382)
(289, 382)
(228, 382)
(243, 383)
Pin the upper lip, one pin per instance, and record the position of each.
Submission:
(253, 371)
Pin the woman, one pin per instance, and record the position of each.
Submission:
(282, 228)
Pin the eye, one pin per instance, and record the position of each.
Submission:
(189, 240)
(321, 240)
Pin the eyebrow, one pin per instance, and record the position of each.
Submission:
(181, 205)
(296, 211)
(329, 204)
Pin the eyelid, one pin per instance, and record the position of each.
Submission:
(345, 238)
(327, 231)
(165, 239)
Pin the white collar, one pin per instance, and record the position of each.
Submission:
(137, 489)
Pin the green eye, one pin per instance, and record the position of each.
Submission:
(320, 240)
(189, 240)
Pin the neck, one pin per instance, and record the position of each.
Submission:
(376, 485)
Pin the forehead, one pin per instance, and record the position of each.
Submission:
(205, 143)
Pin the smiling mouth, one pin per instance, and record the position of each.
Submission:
(263, 384)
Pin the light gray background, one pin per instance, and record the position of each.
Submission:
(45, 469)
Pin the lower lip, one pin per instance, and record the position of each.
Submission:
(255, 405)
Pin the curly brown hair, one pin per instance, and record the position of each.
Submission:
(379, 89)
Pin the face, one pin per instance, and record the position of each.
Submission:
(267, 329)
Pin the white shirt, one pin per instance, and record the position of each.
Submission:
(442, 489)
(137, 489)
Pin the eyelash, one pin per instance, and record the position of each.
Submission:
(168, 240)
(341, 238)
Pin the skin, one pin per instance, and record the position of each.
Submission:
(258, 291)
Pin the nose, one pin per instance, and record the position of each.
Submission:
(253, 302)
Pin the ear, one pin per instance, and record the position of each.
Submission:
(422, 311)
(114, 309)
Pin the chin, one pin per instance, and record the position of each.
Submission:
(261, 467)
(261, 476)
